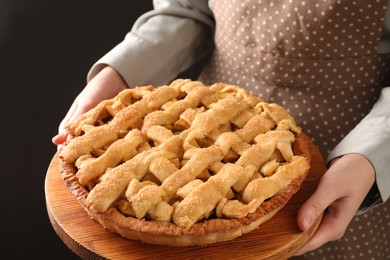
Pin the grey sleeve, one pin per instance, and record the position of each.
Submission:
(371, 138)
(162, 43)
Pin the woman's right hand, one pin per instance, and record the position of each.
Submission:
(105, 85)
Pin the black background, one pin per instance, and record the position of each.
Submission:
(46, 50)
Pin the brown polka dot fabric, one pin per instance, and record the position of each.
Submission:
(318, 59)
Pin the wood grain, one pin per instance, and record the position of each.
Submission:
(278, 238)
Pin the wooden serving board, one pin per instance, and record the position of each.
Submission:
(278, 238)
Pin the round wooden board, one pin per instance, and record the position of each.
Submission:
(278, 238)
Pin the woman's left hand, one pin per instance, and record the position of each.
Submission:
(340, 192)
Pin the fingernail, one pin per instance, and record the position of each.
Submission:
(307, 222)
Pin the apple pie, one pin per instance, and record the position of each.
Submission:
(184, 164)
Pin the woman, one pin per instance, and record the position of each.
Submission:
(319, 59)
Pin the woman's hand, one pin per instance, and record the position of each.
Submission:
(106, 84)
(340, 192)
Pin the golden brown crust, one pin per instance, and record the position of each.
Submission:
(102, 166)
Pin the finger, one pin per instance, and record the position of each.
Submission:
(62, 135)
(74, 112)
(313, 208)
(59, 138)
(333, 226)
(68, 116)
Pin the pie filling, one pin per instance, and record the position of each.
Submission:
(184, 153)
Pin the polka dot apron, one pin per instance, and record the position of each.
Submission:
(319, 60)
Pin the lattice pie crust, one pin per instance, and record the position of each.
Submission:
(184, 164)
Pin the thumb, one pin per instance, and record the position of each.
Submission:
(60, 138)
(314, 207)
